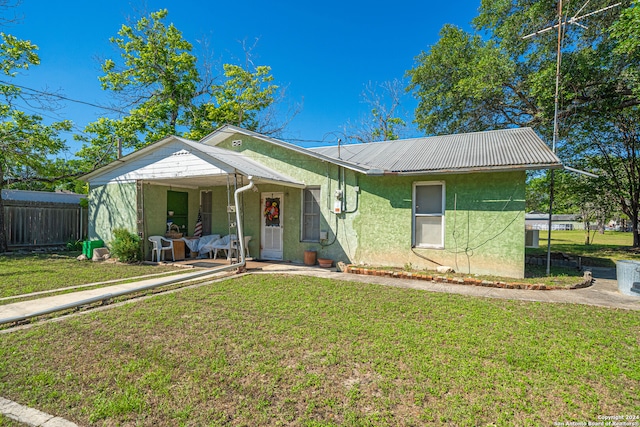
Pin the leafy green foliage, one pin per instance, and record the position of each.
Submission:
(460, 84)
(499, 78)
(164, 90)
(626, 31)
(238, 100)
(126, 246)
(27, 146)
(158, 66)
(74, 245)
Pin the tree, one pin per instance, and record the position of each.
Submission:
(26, 144)
(462, 85)
(158, 82)
(612, 147)
(383, 123)
(238, 100)
(626, 31)
(590, 198)
(471, 83)
(157, 77)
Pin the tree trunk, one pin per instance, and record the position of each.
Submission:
(3, 234)
(587, 229)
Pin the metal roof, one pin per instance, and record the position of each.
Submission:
(507, 149)
(42, 196)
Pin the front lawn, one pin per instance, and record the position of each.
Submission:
(276, 350)
(23, 274)
(605, 250)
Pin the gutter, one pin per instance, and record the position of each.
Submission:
(578, 171)
(380, 172)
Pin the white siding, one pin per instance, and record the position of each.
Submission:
(173, 160)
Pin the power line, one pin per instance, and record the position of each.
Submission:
(102, 107)
(65, 98)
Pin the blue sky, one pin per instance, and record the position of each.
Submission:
(324, 53)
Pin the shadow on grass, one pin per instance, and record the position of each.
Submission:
(540, 271)
(598, 262)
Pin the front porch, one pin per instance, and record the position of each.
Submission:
(174, 209)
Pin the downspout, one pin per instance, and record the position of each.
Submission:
(241, 260)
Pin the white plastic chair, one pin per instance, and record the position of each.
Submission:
(159, 247)
(236, 246)
(223, 244)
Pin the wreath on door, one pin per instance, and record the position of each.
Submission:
(272, 211)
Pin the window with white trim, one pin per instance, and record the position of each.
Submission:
(311, 214)
(428, 214)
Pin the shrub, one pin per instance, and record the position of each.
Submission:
(74, 245)
(126, 246)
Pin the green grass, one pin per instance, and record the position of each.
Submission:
(275, 350)
(604, 251)
(23, 274)
(8, 422)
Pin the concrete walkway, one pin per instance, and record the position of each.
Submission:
(47, 303)
(30, 416)
(603, 293)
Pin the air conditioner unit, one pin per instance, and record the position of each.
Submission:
(531, 238)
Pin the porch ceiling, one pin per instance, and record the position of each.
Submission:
(214, 181)
(191, 181)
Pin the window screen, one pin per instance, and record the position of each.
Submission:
(428, 215)
(311, 215)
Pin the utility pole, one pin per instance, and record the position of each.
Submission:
(560, 25)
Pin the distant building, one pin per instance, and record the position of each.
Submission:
(540, 221)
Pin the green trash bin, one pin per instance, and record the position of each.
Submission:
(89, 245)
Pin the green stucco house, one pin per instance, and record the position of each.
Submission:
(454, 200)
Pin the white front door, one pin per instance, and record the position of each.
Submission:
(272, 227)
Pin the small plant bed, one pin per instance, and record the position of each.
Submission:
(534, 281)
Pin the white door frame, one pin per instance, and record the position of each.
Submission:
(272, 237)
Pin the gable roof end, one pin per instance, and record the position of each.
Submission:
(223, 133)
(218, 157)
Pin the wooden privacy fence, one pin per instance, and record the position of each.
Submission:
(44, 224)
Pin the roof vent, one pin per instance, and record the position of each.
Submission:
(236, 142)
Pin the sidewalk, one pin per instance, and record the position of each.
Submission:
(603, 293)
(44, 304)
